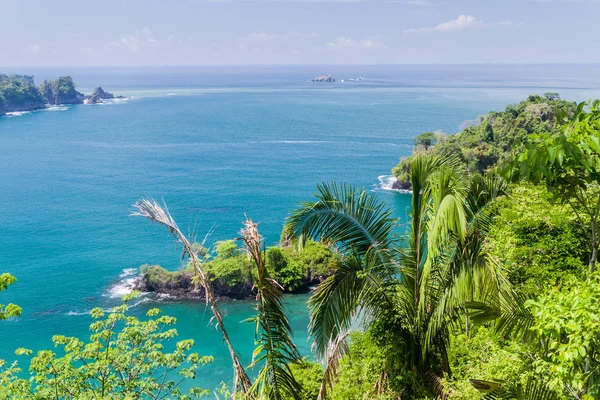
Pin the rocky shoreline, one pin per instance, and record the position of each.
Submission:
(19, 93)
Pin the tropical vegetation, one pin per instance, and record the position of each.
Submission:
(489, 291)
(19, 93)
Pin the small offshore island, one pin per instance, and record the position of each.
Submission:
(231, 274)
(20, 93)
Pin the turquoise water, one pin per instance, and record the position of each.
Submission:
(215, 143)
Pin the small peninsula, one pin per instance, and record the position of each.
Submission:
(20, 93)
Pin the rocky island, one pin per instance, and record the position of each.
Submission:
(20, 93)
(98, 96)
(324, 78)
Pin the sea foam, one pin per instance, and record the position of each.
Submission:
(129, 278)
(17, 113)
(386, 182)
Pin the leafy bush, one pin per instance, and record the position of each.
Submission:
(287, 271)
(10, 310)
(123, 359)
(566, 323)
(309, 375)
(540, 242)
(372, 370)
(483, 355)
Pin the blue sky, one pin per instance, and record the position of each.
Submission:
(214, 32)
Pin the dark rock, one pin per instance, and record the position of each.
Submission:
(400, 185)
(99, 96)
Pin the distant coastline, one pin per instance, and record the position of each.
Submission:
(19, 93)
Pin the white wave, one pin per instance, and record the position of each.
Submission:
(77, 313)
(128, 272)
(386, 182)
(17, 113)
(141, 300)
(123, 287)
(56, 108)
(118, 100)
(129, 278)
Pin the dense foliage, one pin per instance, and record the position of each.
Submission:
(568, 163)
(61, 91)
(540, 243)
(494, 137)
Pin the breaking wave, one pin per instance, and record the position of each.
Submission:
(386, 182)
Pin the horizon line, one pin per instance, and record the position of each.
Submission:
(305, 65)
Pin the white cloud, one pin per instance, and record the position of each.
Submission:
(462, 22)
(32, 49)
(343, 42)
(259, 41)
(137, 42)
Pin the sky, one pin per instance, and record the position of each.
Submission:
(38, 33)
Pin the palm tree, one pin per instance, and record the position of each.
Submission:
(275, 347)
(423, 283)
(150, 209)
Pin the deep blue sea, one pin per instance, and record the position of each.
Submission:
(214, 143)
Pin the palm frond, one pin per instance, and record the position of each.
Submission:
(348, 217)
(511, 317)
(149, 208)
(535, 389)
(275, 348)
(337, 349)
(356, 285)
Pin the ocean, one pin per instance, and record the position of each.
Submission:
(215, 143)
